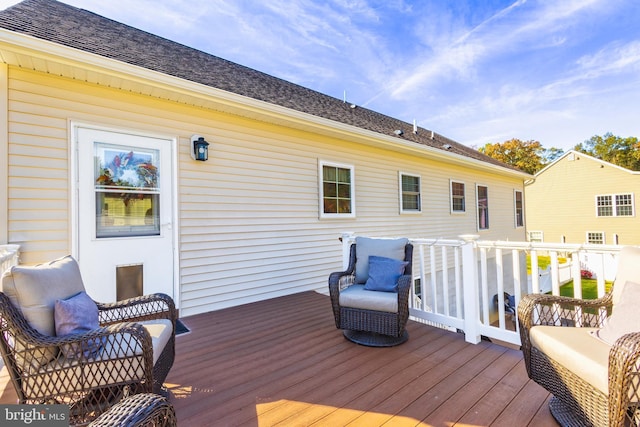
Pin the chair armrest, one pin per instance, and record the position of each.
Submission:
(146, 307)
(140, 409)
(624, 376)
(342, 279)
(544, 309)
(404, 287)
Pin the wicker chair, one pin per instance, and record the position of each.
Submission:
(370, 317)
(571, 347)
(130, 352)
(140, 410)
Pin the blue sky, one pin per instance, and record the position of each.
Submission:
(476, 71)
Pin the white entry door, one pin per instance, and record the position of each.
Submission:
(124, 202)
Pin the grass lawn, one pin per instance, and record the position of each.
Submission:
(589, 286)
(543, 262)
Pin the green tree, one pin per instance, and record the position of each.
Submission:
(528, 156)
(624, 152)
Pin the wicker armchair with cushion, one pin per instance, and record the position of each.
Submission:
(587, 352)
(370, 300)
(59, 346)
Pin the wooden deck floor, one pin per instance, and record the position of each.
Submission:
(283, 362)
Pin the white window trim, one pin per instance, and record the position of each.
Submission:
(586, 237)
(614, 206)
(515, 208)
(478, 210)
(322, 214)
(404, 211)
(451, 182)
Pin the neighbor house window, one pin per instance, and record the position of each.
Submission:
(457, 197)
(517, 198)
(336, 190)
(482, 194)
(624, 204)
(614, 205)
(595, 237)
(410, 199)
(535, 236)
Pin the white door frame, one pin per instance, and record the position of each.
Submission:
(74, 187)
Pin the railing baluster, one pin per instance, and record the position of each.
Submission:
(484, 283)
(445, 281)
(500, 289)
(456, 251)
(434, 287)
(535, 272)
(555, 283)
(517, 286)
(423, 282)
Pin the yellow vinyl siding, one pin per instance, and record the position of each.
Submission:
(249, 225)
(562, 201)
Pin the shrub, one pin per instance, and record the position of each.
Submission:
(586, 274)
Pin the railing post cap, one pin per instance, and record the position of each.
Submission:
(469, 237)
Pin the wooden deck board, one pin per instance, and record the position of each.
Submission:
(283, 362)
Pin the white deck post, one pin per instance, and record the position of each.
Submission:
(470, 288)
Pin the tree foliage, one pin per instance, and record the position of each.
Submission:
(528, 156)
(624, 152)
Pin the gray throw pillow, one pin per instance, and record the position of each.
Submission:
(77, 315)
(367, 246)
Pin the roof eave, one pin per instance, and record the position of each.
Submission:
(54, 53)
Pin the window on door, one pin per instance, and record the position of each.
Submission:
(127, 191)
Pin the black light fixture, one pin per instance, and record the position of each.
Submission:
(200, 148)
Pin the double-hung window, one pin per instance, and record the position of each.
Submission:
(457, 197)
(519, 208)
(337, 190)
(615, 205)
(482, 196)
(410, 197)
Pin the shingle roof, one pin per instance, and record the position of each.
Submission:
(84, 30)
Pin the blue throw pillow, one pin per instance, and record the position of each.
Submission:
(384, 274)
(77, 315)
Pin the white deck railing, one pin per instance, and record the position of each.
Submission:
(460, 284)
(9, 255)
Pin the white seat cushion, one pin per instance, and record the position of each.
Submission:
(577, 350)
(355, 296)
(160, 331)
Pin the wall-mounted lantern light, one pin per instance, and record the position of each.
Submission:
(200, 150)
